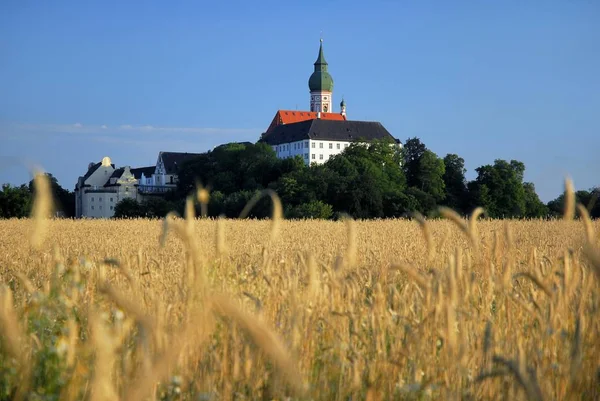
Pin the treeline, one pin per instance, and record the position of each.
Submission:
(17, 201)
(365, 181)
(373, 181)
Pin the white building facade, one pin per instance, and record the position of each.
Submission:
(311, 151)
(101, 188)
(316, 141)
(163, 177)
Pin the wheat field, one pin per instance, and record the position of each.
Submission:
(200, 309)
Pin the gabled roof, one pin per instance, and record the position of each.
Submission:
(147, 171)
(116, 174)
(327, 130)
(91, 171)
(173, 159)
(294, 116)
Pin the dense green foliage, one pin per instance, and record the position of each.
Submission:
(152, 207)
(17, 201)
(365, 181)
(373, 180)
(587, 198)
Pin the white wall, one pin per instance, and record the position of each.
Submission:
(99, 204)
(318, 151)
(321, 151)
(102, 204)
(292, 149)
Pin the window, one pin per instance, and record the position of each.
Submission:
(100, 207)
(306, 145)
(92, 207)
(330, 145)
(99, 199)
(111, 199)
(306, 155)
(321, 156)
(345, 145)
(313, 156)
(92, 198)
(338, 145)
(111, 208)
(314, 145)
(321, 145)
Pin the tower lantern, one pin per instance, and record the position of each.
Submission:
(320, 84)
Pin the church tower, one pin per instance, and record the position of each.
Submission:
(320, 84)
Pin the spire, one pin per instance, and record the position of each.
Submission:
(321, 64)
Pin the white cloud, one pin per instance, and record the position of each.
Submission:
(79, 128)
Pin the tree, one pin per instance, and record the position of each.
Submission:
(311, 210)
(588, 198)
(430, 176)
(64, 200)
(421, 201)
(362, 177)
(15, 201)
(455, 183)
(424, 172)
(412, 152)
(128, 208)
(233, 167)
(499, 189)
(534, 207)
(155, 207)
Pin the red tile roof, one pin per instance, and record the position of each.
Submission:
(296, 116)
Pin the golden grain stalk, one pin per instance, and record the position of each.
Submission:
(42, 208)
(264, 338)
(569, 211)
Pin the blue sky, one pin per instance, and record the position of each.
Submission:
(80, 80)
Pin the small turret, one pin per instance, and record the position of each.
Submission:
(343, 107)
